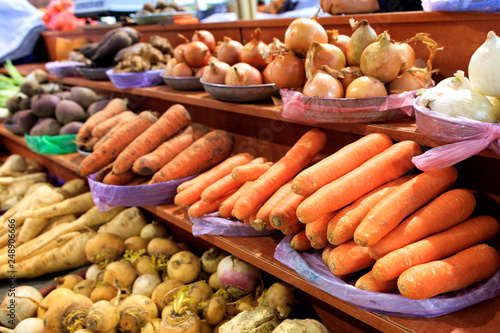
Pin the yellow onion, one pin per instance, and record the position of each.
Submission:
(243, 74)
(381, 59)
(216, 72)
(286, 71)
(348, 74)
(341, 41)
(300, 34)
(407, 55)
(253, 51)
(365, 87)
(404, 82)
(484, 67)
(229, 51)
(363, 36)
(320, 54)
(323, 85)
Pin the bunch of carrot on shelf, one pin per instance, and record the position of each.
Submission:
(374, 217)
(129, 148)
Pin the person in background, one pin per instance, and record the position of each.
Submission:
(20, 27)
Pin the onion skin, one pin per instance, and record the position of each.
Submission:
(349, 74)
(407, 55)
(252, 52)
(381, 60)
(229, 51)
(324, 54)
(300, 34)
(363, 36)
(484, 67)
(365, 87)
(341, 41)
(286, 71)
(323, 85)
(404, 82)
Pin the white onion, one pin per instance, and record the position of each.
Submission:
(484, 67)
(457, 81)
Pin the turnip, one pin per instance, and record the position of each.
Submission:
(162, 247)
(158, 294)
(135, 311)
(102, 316)
(68, 281)
(92, 272)
(179, 318)
(136, 243)
(104, 248)
(67, 314)
(213, 281)
(84, 287)
(31, 325)
(184, 246)
(215, 310)
(184, 266)
(216, 328)
(51, 298)
(144, 265)
(152, 326)
(237, 277)
(154, 230)
(145, 284)
(205, 327)
(242, 304)
(210, 260)
(104, 291)
(18, 304)
(278, 296)
(121, 273)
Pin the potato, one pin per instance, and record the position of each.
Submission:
(71, 128)
(45, 105)
(45, 126)
(83, 96)
(25, 119)
(68, 111)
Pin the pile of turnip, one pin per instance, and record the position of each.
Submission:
(57, 112)
(142, 280)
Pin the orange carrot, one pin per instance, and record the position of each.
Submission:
(316, 230)
(244, 173)
(406, 199)
(202, 207)
(349, 258)
(109, 150)
(293, 228)
(380, 169)
(342, 226)
(149, 164)
(113, 131)
(219, 188)
(139, 180)
(369, 283)
(193, 193)
(261, 221)
(99, 176)
(459, 271)
(326, 252)
(281, 172)
(104, 127)
(253, 216)
(226, 207)
(339, 163)
(209, 150)
(121, 179)
(171, 122)
(114, 107)
(438, 246)
(300, 242)
(284, 213)
(445, 211)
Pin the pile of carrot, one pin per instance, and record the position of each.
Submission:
(131, 149)
(366, 207)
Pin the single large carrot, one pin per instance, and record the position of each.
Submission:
(120, 179)
(326, 252)
(261, 221)
(342, 226)
(300, 242)
(104, 127)
(403, 201)
(114, 130)
(109, 150)
(348, 258)
(316, 231)
(250, 171)
(284, 213)
(202, 207)
(369, 283)
(99, 176)
(226, 207)
(193, 193)
(438, 246)
(206, 152)
(172, 121)
(293, 228)
(445, 211)
(281, 172)
(339, 163)
(459, 271)
(149, 164)
(114, 107)
(380, 169)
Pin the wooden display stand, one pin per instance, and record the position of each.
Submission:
(262, 130)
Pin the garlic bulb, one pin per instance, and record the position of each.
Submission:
(484, 67)
(457, 81)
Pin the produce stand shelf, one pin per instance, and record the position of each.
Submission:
(338, 315)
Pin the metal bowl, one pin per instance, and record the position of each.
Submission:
(183, 83)
(158, 18)
(94, 74)
(64, 68)
(242, 94)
